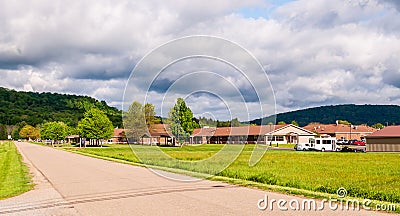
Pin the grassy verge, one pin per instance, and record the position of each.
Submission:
(14, 174)
(313, 174)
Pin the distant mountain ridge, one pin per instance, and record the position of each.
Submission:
(36, 108)
(355, 114)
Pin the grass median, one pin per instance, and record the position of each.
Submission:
(14, 174)
(372, 176)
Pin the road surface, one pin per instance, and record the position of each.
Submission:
(72, 184)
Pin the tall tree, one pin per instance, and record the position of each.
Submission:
(3, 132)
(15, 133)
(235, 122)
(17, 129)
(95, 125)
(54, 131)
(135, 122)
(294, 122)
(149, 114)
(71, 131)
(180, 118)
(29, 132)
(281, 123)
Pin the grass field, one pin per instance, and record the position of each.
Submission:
(14, 174)
(374, 176)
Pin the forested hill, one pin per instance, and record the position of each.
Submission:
(355, 114)
(36, 108)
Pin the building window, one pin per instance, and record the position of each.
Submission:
(275, 138)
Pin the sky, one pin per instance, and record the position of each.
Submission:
(313, 52)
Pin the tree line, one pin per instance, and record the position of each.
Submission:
(95, 124)
(35, 108)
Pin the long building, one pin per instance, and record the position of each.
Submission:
(266, 134)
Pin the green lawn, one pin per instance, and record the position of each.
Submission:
(365, 175)
(14, 174)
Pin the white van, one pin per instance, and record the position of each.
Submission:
(323, 144)
(302, 147)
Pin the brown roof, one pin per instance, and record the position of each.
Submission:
(118, 132)
(204, 131)
(339, 128)
(154, 130)
(390, 131)
(159, 130)
(236, 131)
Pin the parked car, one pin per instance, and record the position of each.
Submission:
(302, 147)
(358, 142)
(351, 142)
(354, 149)
(341, 141)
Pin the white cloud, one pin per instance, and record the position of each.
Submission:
(316, 52)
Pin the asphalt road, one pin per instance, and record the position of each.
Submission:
(71, 184)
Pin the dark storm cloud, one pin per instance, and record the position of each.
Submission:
(395, 3)
(161, 85)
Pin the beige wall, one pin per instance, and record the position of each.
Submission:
(303, 136)
(383, 144)
(304, 139)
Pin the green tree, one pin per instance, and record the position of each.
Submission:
(135, 121)
(3, 132)
(95, 125)
(235, 122)
(294, 123)
(180, 118)
(15, 133)
(150, 114)
(281, 123)
(71, 131)
(17, 128)
(378, 126)
(54, 131)
(29, 132)
(345, 122)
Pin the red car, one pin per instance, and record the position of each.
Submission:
(361, 143)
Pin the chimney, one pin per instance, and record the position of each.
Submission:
(337, 122)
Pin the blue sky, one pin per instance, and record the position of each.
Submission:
(262, 10)
(314, 52)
